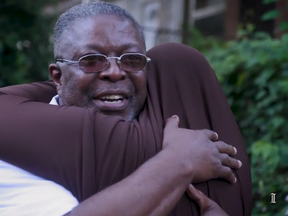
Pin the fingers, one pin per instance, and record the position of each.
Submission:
(201, 199)
(230, 162)
(213, 136)
(207, 206)
(225, 148)
(172, 122)
(225, 151)
(227, 173)
(194, 194)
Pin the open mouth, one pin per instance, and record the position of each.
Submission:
(112, 102)
(112, 99)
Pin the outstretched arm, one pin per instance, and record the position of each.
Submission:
(156, 187)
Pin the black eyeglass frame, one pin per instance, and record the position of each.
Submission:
(118, 59)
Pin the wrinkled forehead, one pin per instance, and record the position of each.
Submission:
(104, 32)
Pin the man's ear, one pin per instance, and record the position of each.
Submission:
(55, 74)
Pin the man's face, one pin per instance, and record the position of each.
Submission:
(112, 91)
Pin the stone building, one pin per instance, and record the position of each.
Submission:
(162, 20)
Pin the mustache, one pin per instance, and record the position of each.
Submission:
(111, 88)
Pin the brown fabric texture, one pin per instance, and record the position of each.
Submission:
(86, 151)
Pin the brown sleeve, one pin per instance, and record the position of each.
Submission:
(70, 145)
(188, 87)
(38, 91)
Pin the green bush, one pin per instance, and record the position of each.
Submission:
(253, 72)
(25, 49)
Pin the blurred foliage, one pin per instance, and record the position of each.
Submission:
(253, 71)
(25, 49)
(274, 14)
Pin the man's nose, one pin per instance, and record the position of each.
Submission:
(113, 72)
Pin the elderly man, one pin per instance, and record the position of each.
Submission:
(100, 65)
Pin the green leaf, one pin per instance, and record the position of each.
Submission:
(270, 1)
(283, 154)
(284, 43)
(270, 15)
(283, 85)
(283, 26)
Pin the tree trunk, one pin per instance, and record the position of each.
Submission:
(188, 23)
(282, 6)
(232, 18)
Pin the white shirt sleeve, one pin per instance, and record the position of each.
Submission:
(24, 194)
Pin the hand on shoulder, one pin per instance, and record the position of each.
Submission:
(200, 152)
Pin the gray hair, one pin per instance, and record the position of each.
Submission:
(87, 10)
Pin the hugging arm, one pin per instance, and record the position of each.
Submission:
(153, 194)
(155, 187)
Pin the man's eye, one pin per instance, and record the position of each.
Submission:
(92, 60)
(133, 58)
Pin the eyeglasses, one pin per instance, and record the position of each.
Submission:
(93, 63)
